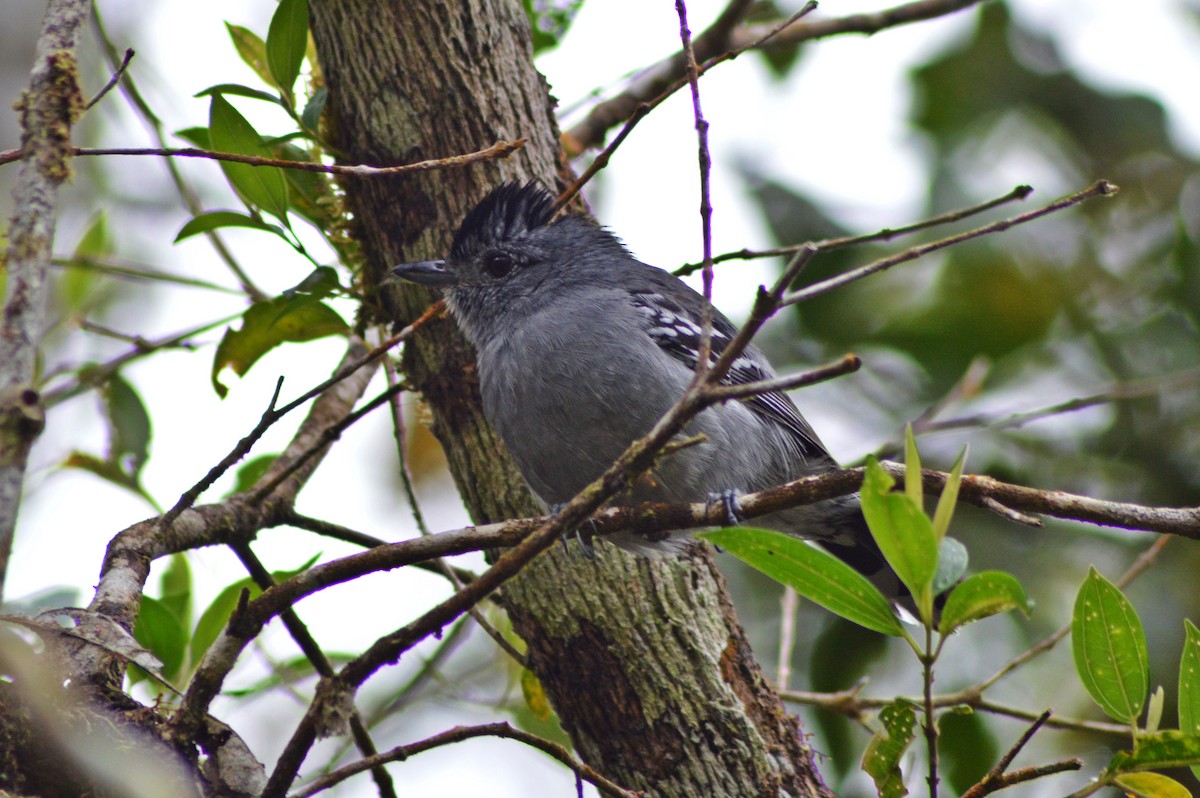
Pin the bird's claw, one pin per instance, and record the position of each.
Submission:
(584, 539)
(729, 502)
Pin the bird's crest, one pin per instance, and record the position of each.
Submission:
(509, 211)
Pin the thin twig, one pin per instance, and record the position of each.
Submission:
(501, 149)
(90, 376)
(989, 782)
(459, 734)
(130, 90)
(641, 109)
(1101, 188)
(886, 234)
(446, 568)
(112, 82)
(313, 653)
(1144, 561)
(591, 130)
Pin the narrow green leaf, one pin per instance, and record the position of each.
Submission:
(913, 484)
(949, 497)
(95, 241)
(176, 588)
(904, 534)
(881, 761)
(1110, 648)
(266, 325)
(252, 51)
(238, 90)
(252, 471)
(216, 616)
(981, 596)
(815, 574)
(79, 285)
(287, 39)
(199, 136)
(160, 631)
(1189, 684)
(952, 564)
(262, 187)
(1151, 785)
(311, 116)
(1166, 749)
(129, 424)
(214, 220)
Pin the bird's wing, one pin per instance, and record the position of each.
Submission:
(673, 321)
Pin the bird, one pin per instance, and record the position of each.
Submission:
(581, 348)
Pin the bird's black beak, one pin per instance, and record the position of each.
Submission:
(425, 272)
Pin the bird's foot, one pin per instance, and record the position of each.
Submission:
(582, 537)
(729, 502)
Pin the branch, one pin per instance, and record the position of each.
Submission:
(457, 735)
(886, 234)
(501, 149)
(47, 109)
(1101, 188)
(720, 38)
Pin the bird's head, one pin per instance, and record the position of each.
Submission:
(508, 252)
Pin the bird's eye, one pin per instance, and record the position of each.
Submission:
(498, 264)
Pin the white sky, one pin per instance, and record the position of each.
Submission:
(835, 128)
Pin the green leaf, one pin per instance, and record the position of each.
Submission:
(949, 497)
(176, 591)
(262, 187)
(311, 116)
(266, 325)
(981, 596)
(213, 220)
(913, 484)
(95, 241)
(1189, 684)
(252, 51)
(79, 285)
(309, 190)
(1151, 785)
(129, 424)
(216, 616)
(252, 471)
(952, 564)
(199, 136)
(904, 534)
(881, 761)
(1166, 749)
(967, 747)
(549, 22)
(815, 574)
(320, 283)
(1110, 648)
(238, 90)
(287, 39)
(162, 633)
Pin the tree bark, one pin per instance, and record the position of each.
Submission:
(643, 660)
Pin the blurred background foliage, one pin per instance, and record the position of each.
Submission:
(1101, 303)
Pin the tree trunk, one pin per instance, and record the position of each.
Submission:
(643, 660)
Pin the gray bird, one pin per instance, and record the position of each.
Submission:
(582, 348)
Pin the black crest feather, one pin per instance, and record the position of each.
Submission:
(509, 211)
